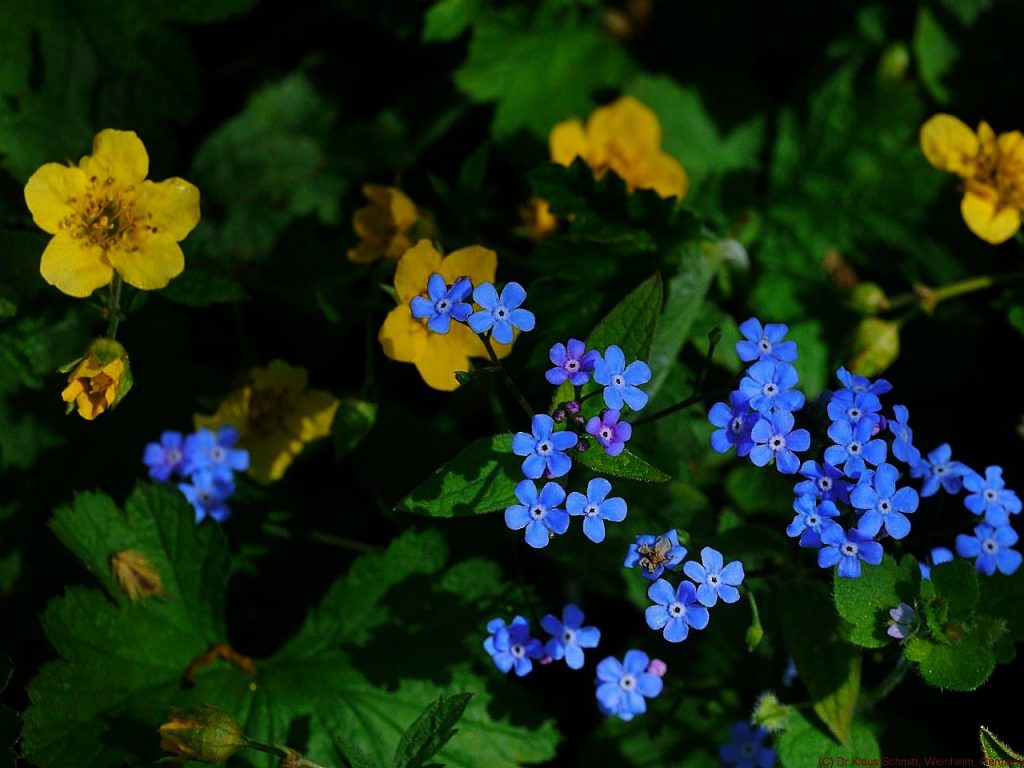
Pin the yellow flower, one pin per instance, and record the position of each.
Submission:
(105, 217)
(992, 169)
(276, 415)
(624, 137)
(100, 380)
(387, 226)
(538, 218)
(404, 338)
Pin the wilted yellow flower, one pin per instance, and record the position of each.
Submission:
(205, 733)
(992, 169)
(388, 226)
(623, 137)
(275, 415)
(98, 381)
(135, 574)
(404, 338)
(538, 218)
(106, 217)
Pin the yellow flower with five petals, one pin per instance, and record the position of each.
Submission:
(992, 170)
(388, 226)
(404, 338)
(105, 217)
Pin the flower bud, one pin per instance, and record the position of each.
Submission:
(572, 407)
(558, 415)
(876, 346)
(893, 64)
(135, 574)
(868, 299)
(99, 380)
(583, 445)
(205, 733)
(770, 713)
(657, 667)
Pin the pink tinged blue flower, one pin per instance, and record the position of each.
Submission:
(854, 448)
(991, 547)
(989, 496)
(544, 449)
(216, 453)
(569, 637)
(512, 647)
(734, 422)
(746, 747)
(765, 343)
(847, 550)
(208, 494)
(938, 555)
(623, 687)
(714, 578)
(572, 363)
(596, 508)
(653, 554)
(823, 481)
(776, 440)
(675, 610)
(845, 405)
(165, 457)
(857, 383)
(939, 470)
(538, 513)
(903, 622)
(903, 436)
(811, 520)
(883, 505)
(444, 305)
(768, 387)
(611, 433)
(620, 381)
(500, 314)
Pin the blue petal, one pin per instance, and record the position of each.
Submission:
(613, 397)
(574, 656)
(635, 398)
(533, 465)
(523, 319)
(517, 517)
(486, 296)
(575, 503)
(436, 287)
(481, 321)
(551, 495)
(637, 372)
(502, 332)
(656, 616)
(512, 295)
(593, 529)
(558, 464)
(613, 510)
(614, 359)
(557, 520)
(440, 323)
(661, 592)
(676, 631)
(420, 307)
(537, 534)
(698, 617)
(564, 440)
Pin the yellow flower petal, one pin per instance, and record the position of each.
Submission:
(985, 219)
(74, 269)
(233, 411)
(49, 193)
(152, 265)
(403, 337)
(278, 373)
(414, 269)
(119, 155)
(949, 144)
(628, 123)
(665, 175)
(315, 411)
(269, 458)
(403, 210)
(477, 263)
(568, 141)
(446, 355)
(172, 206)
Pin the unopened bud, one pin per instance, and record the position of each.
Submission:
(876, 346)
(583, 445)
(205, 733)
(657, 667)
(580, 420)
(894, 63)
(770, 713)
(558, 415)
(868, 299)
(135, 574)
(572, 407)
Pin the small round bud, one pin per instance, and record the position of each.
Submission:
(876, 346)
(770, 713)
(558, 415)
(583, 445)
(205, 733)
(572, 407)
(580, 420)
(657, 667)
(868, 299)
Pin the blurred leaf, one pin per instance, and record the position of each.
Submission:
(936, 54)
(626, 465)
(996, 751)
(430, 731)
(865, 602)
(447, 19)
(804, 744)
(198, 287)
(354, 419)
(23, 440)
(32, 348)
(10, 722)
(20, 253)
(632, 322)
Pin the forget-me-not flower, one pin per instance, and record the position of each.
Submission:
(655, 553)
(847, 550)
(991, 547)
(714, 578)
(544, 449)
(500, 314)
(883, 505)
(623, 687)
(989, 496)
(569, 637)
(444, 304)
(675, 610)
(511, 646)
(596, 507)
(572, 363)
(765, 343)
(620, 381)
(538, 513)
(734, 422)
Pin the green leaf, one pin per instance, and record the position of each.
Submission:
(481, 479)
(354, 419)
(447, 19)
(431, 731)
(865, 602)
(936, 54)
(960, 666)
(10, 723)
(996, 750)
(632, 322)
(804, 744)
(626, 465)
(755, 632)
(197, 287)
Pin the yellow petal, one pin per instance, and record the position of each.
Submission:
(74, 269)
(665, 175)
(403, 337)
(985, 219)
(445, 355)
(949, 144)
(626, 122)
(279, 374)
(150, 266)
(1011, 149)
(315, 412)
(270, 456)
(233, 411)
(172, 206)
(414, 268)
(477, 263)
(50, 192)
(403, 210)
(567, 142)
(120, 155)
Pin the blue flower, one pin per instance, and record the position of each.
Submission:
(611, 433)
(776, 439)
(544, 449)
(854, 447)
(620, 380)
(444, 303)
(856, 383)
(847, 549)
(903, 622)
(903, 436)
(735, 422)
(811, 520)
(572, 363)
(767, 386)
(845, 405)
(655, 553)
(992, 548)
(165, 457)
(938, 555)
(714, 578)
(623, 687)
(511, 647)
(939, 469)
(764, 343)
(208, 494)
(569, 637)
(884, 505)
(675, 610)
(989, 496)
(216, 453)
(539, 513)
(746, 748)
(823, 481)
(501, 314)
(595, 508)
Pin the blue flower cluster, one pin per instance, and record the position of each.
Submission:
(512, 646)
(207, 460)
(746, 747)
(501, 314)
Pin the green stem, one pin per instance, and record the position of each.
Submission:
(505, 376)
(699, 394)
(894, 678)
(269, 749)
(114, 307)
(339, 541)
(928, 298)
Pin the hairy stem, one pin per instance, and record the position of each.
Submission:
(114, 306)
(505, 376)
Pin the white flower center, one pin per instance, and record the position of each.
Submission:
(736, 425)
(538, 511)
(769, 389)
(572, 365)
(765, 345)
(217, 454)
(606, 433)
(627, 682)
(174, 456)
(676, 610)
(590, 510)
(618, 381)
(849, 549)
(517, 651)
(853, 447)
(812, 520)
(777, 443)
(990, 546)
(543, 447)
(501, 313)
(990, 495)
(825, 483)
(568, 636)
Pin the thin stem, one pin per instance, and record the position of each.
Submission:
(698, 395)
(339, 541)
(894, 678)
(268, 748)
(504, 375)
(929, 298)
(114, 307)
